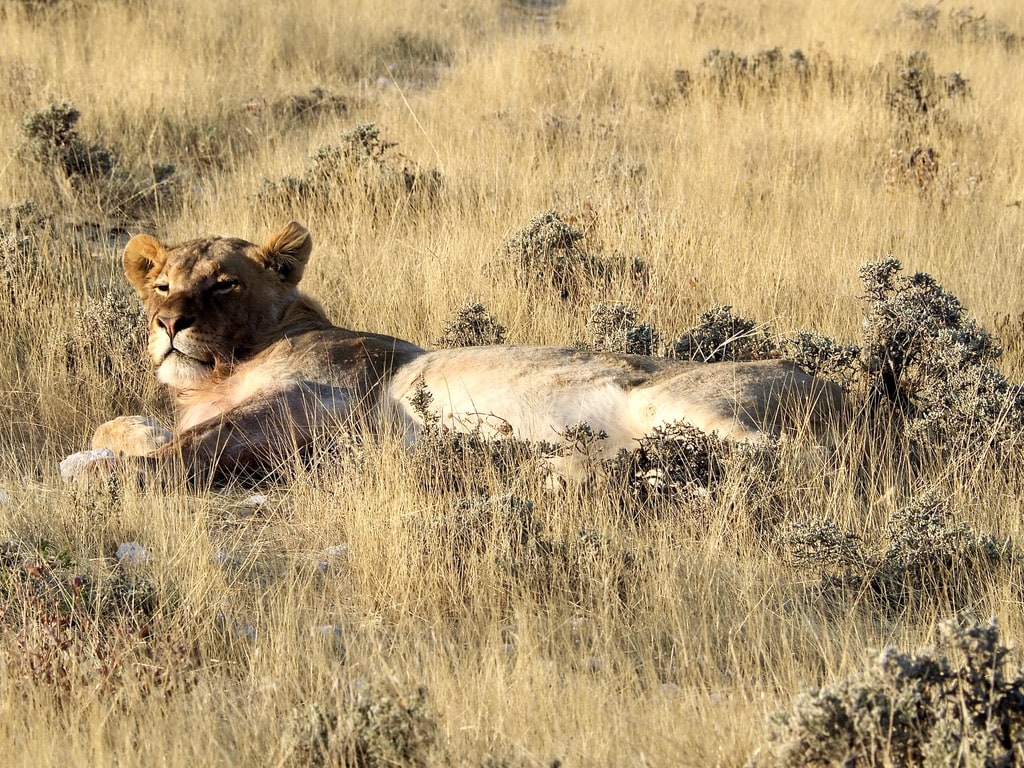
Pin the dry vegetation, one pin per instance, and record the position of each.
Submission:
(704, 180)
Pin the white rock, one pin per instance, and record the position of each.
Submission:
(131, 553)
(77, 463)
(327, 630)
(337, 552)
(226, 559)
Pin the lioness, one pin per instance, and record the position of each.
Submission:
(258, 372)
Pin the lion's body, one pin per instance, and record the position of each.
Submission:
(258, 372)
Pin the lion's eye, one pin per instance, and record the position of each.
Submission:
(161, 287)
(225, 286)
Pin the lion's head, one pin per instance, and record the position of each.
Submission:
(214, 302)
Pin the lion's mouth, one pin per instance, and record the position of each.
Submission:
(176, 354)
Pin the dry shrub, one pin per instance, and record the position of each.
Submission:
(921, 170)
(731, 74)
(19, 267)
(360, 170)
(74, 632)
(90, 176)
(379, 725)
(822, 356)
(934, 364)
(693, 475)
(492, 551)
(925, 555)
(614, 328)
(497, 539)
(311, 105)
(677, 463)
(954, 704)
(471, 326)
(108, 334)
(770, 73)
(720, 334)
(104, 353)
(963, 24)
(548, 254)
(53, 140)
(412, 58)
(446, 459)
(917, 92)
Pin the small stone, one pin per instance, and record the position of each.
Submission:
(131, 554)
(226, 559)
(255, 501)
(79, 463)
(328, 630)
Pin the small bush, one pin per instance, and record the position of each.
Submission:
(951, 705)
(91, 175)
(19, 266)
(378, 726)
(463, 459)
(925, 554)
(822, 356)
(54, 142)
(921, 102)
(720, 334)
(361, 167)
(74, 631)
(962, 24)
(472, 326)
(548, 253)
(767, 71)
(310, 105)
(108, 333)
(614, 328)
(934, 364)
(676, 462)
(496, 538)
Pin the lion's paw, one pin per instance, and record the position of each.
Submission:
(131, 436)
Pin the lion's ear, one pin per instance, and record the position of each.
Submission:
(142, 255)
(287, 251)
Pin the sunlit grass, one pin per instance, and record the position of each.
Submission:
(610, 636)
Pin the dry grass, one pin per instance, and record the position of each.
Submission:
(368, 613)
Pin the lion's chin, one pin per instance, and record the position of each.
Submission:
(180, 371)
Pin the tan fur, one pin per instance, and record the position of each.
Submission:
(258, 372)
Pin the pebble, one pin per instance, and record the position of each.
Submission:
(77, 463)
(131, 553)
(255, 501)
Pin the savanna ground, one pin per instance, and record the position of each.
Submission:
(548, 162)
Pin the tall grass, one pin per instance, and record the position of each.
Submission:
(367, 611)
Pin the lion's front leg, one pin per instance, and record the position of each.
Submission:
(124, 440)
(131, 436)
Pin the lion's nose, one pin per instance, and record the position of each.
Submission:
(174, 324)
